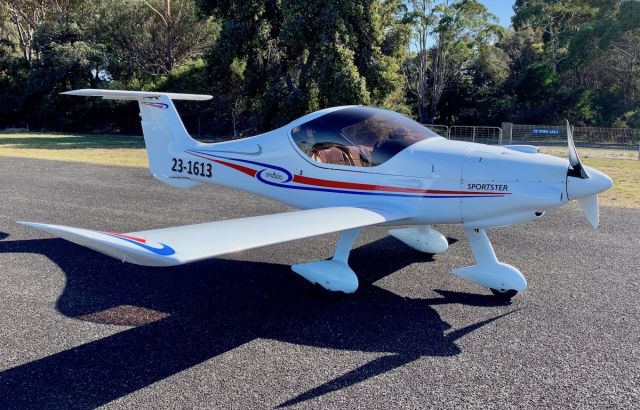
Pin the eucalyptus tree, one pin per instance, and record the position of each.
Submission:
(151, 37)
(448, 36)
(557, 19)
(26, 16)
(299, 55)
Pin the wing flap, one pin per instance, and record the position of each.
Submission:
(190, 243)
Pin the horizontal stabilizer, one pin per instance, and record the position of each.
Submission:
(135, 95)
(190, 243)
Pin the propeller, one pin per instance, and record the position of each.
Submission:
(576, 170)
(590, 205)
(585, 186)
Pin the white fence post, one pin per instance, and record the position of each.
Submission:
(507, 130)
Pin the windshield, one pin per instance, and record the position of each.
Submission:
(358, 136)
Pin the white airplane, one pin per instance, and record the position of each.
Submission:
(346, 168)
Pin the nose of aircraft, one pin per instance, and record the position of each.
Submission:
(586, 187)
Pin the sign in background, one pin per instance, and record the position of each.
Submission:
(546, 131)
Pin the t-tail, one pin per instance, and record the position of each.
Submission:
(164, 132)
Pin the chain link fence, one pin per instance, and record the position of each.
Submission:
(626, 139)
(596, 137)
(471, 133)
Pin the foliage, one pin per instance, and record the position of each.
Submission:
(300, 56)
(449, 36)
(77, 43)
(268, 62)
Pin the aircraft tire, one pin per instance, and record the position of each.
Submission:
(504, 294)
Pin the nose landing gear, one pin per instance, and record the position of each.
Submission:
(504, 294)
(502, 279)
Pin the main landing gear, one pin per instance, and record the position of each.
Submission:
(335, 273)
(503, 280)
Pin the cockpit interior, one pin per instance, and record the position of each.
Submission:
(358, 136)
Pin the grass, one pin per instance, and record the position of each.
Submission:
(586, 153)
(621, 165)
(96, 149)
(626, 181)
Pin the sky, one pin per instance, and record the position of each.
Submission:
(501, 8)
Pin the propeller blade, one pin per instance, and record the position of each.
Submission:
(590, 207)
(577, 170)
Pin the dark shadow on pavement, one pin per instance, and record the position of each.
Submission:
(189, 314)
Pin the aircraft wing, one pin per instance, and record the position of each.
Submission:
(189, 243)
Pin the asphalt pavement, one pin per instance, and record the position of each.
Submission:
(81, 330)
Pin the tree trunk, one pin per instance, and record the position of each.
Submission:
(169, 22)
(423, 113)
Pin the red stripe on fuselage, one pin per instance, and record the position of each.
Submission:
(351, 185)
(249, 171)
(368, 187)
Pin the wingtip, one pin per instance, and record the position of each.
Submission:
(76, 91)
(34, 225)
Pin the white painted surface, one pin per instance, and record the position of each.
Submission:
(434, 181)
(196, 242)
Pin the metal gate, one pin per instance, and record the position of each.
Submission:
(483, 135)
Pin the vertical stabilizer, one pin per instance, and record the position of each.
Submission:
(164, 133)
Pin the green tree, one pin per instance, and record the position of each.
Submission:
(151, 37)
(448, 36)
(299, 56)
(556, 19)
(49, 46)
(610, 23)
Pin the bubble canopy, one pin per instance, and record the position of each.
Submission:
(358, 136)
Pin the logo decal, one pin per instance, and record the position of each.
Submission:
(162, 106)
(155, 247)
(274, 176)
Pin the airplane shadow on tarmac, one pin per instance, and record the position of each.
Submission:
(186, 315)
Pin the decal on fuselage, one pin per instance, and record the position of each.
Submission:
(280, 177)
(189, 167)
(274, 176)
(488, 187)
